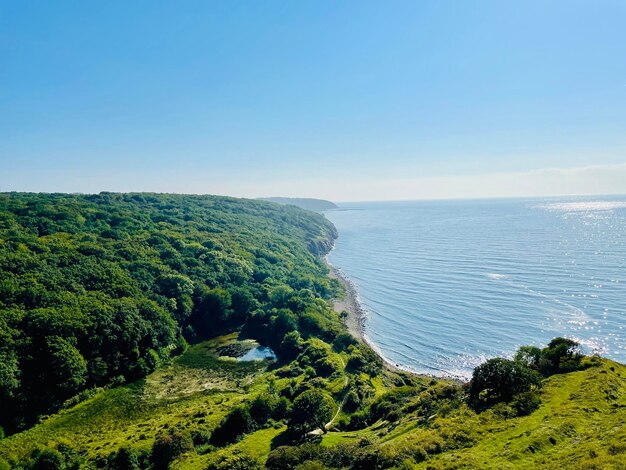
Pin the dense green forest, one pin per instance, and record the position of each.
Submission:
(100, 289)
(122, 315)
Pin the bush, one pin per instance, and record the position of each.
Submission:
(124, 459)
(525, 403)
(363, 359)
(289, 458)
(48, 459)
(291, 345)
(343, 341)
(234, 462)
(500, 380)
(167, 447)
(236, 423)
(312, 409)
(561, 355)
(266, 406)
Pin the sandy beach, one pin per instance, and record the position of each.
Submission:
(356, 315)
(355, 318)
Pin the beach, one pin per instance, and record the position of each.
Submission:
(355, 316)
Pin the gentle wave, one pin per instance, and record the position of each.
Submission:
(447, 285)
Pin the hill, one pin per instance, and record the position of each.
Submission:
(124, 319)
(317, 205)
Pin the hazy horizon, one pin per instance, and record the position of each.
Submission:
(343, 101)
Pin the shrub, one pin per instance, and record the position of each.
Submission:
(351, 402)
(266, 406)
(525, 403)
(291, 345)
(236, 423)
(343, 341)
(124, 459)
(499, 380)
(312, 409)
(289, 458)
(234, 462)
(169, 446)
(48, 459)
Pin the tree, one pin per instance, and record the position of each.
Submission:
(124, 459)
(561, 355)
(528, 356)
(237, 422)
(67, 364)
(48, 459)
(500, 380)
(169, 446)
(234, 462)
(312, 409)
(291, 345)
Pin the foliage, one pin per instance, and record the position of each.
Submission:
(169, 446)
(500, 380)
(98, 289)
(561, 355)
(235, 462)
(98, 292)
(124, 459)
(525, 403)
(312, 409)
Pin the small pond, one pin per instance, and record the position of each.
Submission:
(258, 354)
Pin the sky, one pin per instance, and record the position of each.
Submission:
(344, 100)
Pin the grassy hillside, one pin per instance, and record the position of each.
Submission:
(122, 318)
(579, 424)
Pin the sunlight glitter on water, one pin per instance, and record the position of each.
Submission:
(449, 284)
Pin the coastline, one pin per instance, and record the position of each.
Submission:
(354, 320)
(355, 317)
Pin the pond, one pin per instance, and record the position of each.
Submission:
(258, 353)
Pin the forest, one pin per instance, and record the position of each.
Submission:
(101, 289)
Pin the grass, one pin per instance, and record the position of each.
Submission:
(581, 422)
(194, 392)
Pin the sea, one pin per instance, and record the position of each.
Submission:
(445, 285)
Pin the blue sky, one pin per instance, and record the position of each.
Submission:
(343, 100)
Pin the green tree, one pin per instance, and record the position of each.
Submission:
(67, 364)
(561, 355)
(500, 380)
(312, 409)
(235, 462)
(169, 446)
(124, 459)
(530, 356)
(236, 423)
(291, 345)
(48, 459)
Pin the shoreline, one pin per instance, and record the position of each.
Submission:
(356, 316)
(354, 321)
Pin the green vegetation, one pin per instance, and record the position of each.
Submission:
(98, 290)
(318, 205)
(122, 315)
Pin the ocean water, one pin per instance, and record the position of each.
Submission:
(449, 284)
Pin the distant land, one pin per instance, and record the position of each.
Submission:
(304, 203)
